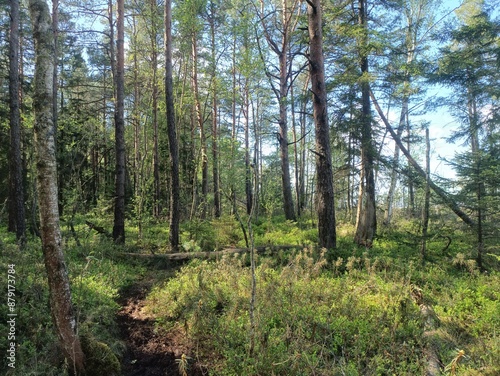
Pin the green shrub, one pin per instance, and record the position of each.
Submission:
(306, 319)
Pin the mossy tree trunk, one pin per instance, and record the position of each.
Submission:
(63, 315)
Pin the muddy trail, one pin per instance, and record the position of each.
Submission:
(151, 351)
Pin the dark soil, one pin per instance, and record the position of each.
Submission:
(151, 351)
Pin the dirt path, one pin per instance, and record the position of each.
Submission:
(150, 351)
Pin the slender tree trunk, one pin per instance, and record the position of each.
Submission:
(302, 165)
(172, 133)
(119, 219)
(425, 211)
(17, 221)
(411, 185)
(156, 157)
(480, 188)
(283, 133)
(62, 311)
(136, 116)
(403, 121)
(232, 188)
(367, 223)
(248, 171)
(296, 160)
(200, 122)
(282, 51)
(256, 158)
(215, 117)
(324, 175)
(394, 173)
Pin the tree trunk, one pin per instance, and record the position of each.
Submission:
(283, 133)
(62, 311)
(287, 11)
(425, 211)
(325, 193)
(119, 219)
(248, 172)
(172, 133)
(394, 173)
(201, 125)
(17, 222)
(479, 183)
(296, 160)
(156, 157)
(367, 223)
(215, 118)
(234, 130)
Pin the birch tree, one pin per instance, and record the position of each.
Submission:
(63, 315)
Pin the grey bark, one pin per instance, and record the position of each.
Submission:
(17, 222)
(63, 315)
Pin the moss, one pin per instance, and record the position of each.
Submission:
(100, 359)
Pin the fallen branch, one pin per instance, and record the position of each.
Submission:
(212, 254)
(98, 229)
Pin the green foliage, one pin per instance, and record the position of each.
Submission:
(340, 324)
(96, 275)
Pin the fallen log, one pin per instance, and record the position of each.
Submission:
(179, 256)
(445, 197)
(98, 229)
(431, 334)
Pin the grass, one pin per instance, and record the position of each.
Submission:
(347, 312)
(96, 273)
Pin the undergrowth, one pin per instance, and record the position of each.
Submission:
(96, 275)
(347, 316)
(343, 312)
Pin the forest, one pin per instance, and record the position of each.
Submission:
(250, 187)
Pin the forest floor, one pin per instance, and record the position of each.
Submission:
(151, 351)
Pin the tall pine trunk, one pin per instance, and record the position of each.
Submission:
(201, 125)
(63, 315)
(215, 118)
(172, 133)
(324, 174)
(17, 222)
(119, 218)
(366, 225)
